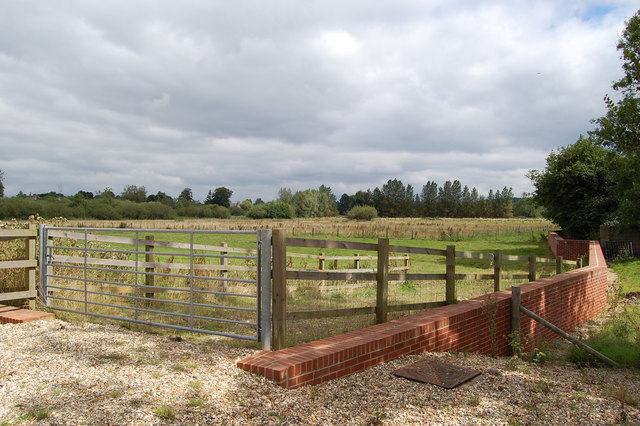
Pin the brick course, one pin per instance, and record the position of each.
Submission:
(568, 249)
(480, 325)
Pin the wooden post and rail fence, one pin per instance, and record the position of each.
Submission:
(28, 263)
(383, 274)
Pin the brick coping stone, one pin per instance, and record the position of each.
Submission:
(11, 314)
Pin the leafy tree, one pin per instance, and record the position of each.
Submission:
(395, 200)
(577, 187)
(137, 194)
(220, 196)
(106, 196)
(84, 195)
(258, 201)
(186, 197)
(429, 199)
(363, 198)
(345, 204)
(1, 184)
(209, 198)
(306, 204)
(327, 202)
(245, 205)
(161, 197)
(620, 128)
(525, 206)
(449, 198)
(285, 195)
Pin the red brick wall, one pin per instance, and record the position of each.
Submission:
(568, 249)
(479, 325)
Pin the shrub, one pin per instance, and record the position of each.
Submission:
(258, 211)
(279, 210)
(219, 212)
(362, 213)
(101, 210)
(236, 211)
(158, 210)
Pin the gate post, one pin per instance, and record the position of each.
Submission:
(264, 288)
(382, 279)
(42, 252)
(30, 273)
(279, 292)
(450, 285)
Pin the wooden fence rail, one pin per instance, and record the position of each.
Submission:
(381, 275)
(29, 263)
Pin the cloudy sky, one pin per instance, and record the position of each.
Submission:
(259, 95)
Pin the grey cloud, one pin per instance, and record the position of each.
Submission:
(259, 95)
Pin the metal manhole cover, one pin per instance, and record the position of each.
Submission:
(436, 373)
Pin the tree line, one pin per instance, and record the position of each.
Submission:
(393, 199)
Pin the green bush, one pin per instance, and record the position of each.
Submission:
(158, 210)
(279, 210)
(236, 211)
(101, 210)
(219, 212)
(258, 211)
(362, 213)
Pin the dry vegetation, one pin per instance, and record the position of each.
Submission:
(413, 228)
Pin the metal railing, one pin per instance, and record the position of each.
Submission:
(178, 279)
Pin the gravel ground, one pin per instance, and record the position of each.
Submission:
(56, 372)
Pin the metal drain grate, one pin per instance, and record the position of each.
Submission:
(436, 373)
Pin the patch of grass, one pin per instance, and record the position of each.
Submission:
(179, 367)
(628, 272)
(407, 287)
(196, 402)
(622, 394)
(114, 356)
(195, 384)
(34, 413)
(164, 412)
(474, 400)
(618, 340)
(115, 394)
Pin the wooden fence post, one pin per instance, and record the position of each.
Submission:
(356, 261)
(497, 269)
(382, 278)
(31, 272)
(279, 289)
(515, 340)
(406, 263)
(148, 257)
(224, 273)
(559, 265)
(532, 267)
(451, 275)
(322, 264)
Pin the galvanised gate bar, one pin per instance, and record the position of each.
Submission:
(181, 279)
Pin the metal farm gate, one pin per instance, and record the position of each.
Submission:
(214, 282)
